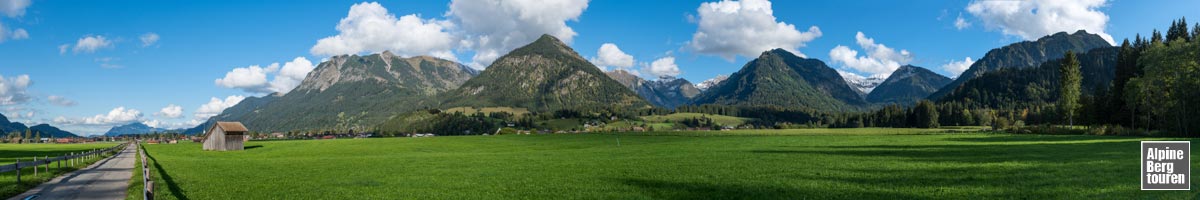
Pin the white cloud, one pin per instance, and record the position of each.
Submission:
(89, 44)
(64, 120)
(956, 67)
(215, 106)
(14, 8)
(253, 78)
(609, 55)
(746, 28)
(149, 39)
(368, 27)
(62, 49)
(171, 111)
(961, 23)
(119, 115)
(60, 100)
(878, 59)
(1033, 19)
(108, 62)
(664, 67)
(13, 89)
(494, 27)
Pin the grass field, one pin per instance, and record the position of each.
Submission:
(10, 152)
(754, 164)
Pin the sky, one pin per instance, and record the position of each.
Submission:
(86, 66)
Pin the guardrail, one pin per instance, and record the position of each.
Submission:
(147, 183)
(71, 160)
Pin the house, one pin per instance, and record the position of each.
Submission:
(225, 136)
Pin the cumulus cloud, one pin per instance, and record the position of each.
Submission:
(747, 28)
(956, 67)
(149, 39)
(216, 105)
(1033, 19)
(663, 67)
(253, 78)
(119, 115)
(494, 27)
(60, 100)
(13, 89)
(14, 8)
(89, 44)
(171, 111)
(878, 59)
(961, 23)
(368, 27)
(611, 56)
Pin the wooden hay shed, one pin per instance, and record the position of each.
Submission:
(225, 136)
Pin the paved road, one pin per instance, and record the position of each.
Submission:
(106, 179)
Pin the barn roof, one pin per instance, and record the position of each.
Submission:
(232, 126)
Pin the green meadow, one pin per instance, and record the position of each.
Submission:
(871, 163)
(9, 153)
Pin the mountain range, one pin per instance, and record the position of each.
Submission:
(352, 91)
(666, 92)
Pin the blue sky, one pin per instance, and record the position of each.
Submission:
(202, 41)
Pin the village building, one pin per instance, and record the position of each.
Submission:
(225, 136)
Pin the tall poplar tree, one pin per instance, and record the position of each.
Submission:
(1069, 82)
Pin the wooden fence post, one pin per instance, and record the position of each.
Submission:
(18, 165)
(34, 166)
(46, 159)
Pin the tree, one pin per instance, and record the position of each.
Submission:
(1068, 98)
(1156, 37)
(925, 115)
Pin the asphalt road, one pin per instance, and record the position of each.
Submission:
(105, 179)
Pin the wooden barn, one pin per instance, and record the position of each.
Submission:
(225, 136)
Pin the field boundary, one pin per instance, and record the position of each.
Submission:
(72, 159)
(147, 183)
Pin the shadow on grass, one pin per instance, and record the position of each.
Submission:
(1039, 138)
(252, 147)
(986, 167)
(659, 189)
(170, 182)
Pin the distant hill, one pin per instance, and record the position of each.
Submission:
(132, 129)
(51, 131)
(1026, 54)
(9, 127)
(666, 92)
(780, 78)
(545, 75)
(1007, 88)
(907, 85)
(349, 92)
